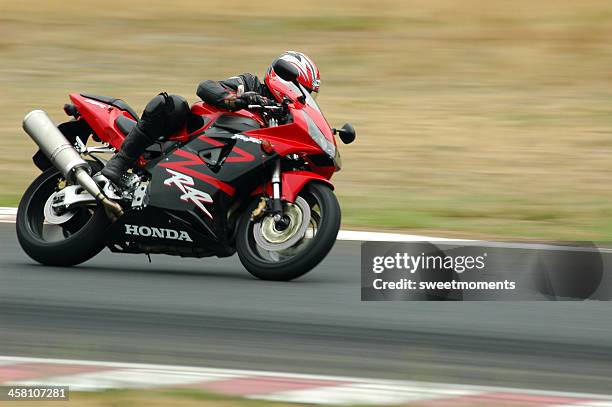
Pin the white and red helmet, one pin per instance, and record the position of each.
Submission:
(308, 73)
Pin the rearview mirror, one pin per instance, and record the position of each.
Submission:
(347, 133)
(285, 70)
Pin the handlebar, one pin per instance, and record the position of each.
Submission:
(268, 107)
(276, 111)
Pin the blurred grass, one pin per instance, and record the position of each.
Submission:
(478, 118)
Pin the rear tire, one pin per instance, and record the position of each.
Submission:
(84, 234)
(312, 251)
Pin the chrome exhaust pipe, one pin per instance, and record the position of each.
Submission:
(65, 158)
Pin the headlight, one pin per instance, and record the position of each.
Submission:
(319, 138)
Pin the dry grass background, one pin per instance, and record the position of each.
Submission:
(479, 117)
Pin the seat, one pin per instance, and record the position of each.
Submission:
(125, 124)
(118, 103)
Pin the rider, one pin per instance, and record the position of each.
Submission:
(165, 114)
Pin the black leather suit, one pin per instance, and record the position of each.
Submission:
(225, 93)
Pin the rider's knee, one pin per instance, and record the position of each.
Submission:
(164, 115)
(178, 113)
(155, 108)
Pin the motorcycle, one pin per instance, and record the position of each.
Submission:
(255, 181)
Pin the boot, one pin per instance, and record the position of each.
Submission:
(133, 146)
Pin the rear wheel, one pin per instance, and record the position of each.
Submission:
(55, 239)
(271, 251)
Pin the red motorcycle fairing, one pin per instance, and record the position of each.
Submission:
(101, 117)
(281, 88)
(290, 138)
(203, 116)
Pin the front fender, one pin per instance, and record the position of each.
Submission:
(292, 183)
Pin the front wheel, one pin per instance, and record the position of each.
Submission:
(284, 251)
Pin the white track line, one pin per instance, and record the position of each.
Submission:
(319, 388)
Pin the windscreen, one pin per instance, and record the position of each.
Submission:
(310, 101)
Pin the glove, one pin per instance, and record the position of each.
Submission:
(251, 98)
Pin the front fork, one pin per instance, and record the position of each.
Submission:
(272, 205)
(277, 205)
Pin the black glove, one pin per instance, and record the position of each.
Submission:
(251, 98)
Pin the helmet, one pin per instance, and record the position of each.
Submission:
(308, 73)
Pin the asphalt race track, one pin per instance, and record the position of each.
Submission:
(211, 312)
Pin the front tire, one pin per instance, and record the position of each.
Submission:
(278, 262)
(69, 244)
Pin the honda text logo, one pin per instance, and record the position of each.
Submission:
(146, 231)
(185, 183)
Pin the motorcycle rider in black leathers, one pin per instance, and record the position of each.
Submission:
(165, 114)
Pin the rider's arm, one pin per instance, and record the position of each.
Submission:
(225, 93)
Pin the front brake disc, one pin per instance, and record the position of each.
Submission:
(269, 238)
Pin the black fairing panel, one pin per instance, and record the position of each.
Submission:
(236, 124)
(154, 230)
(184, 181)
(195, 122)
